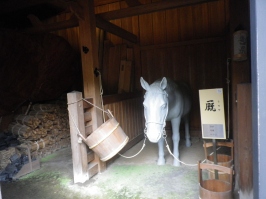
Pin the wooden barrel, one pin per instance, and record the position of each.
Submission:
(215, 189)
(222, 160)
(107, 140)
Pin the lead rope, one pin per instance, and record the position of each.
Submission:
(167, 146)
(136, 153)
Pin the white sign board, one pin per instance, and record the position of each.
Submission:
(212, 113)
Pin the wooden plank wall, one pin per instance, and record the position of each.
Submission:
(129, 114)
(200, 65)
(187, 43)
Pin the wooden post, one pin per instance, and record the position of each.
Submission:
(79, 150)
(215, 156)
(90, 61)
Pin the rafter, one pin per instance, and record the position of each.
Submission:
(73, 22)
(149, 8)
(133, 3)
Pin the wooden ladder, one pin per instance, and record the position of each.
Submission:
(85, 162)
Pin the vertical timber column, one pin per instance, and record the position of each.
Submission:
(79, 150)
(89, 58)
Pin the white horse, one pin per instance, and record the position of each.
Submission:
(166, 100)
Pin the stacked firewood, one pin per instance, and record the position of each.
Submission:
(44, 130)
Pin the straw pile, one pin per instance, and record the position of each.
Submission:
(44, 130)
(5, 156)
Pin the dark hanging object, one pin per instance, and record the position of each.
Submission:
(85, 49)
(240, 38)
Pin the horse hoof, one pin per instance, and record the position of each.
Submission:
(176, 164)
(188, 143)
(161, 162)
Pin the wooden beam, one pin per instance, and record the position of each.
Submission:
(79, 150)
(133, 3)
(116, 30)
(149, 8)
(90, 61)
(14, 5)
(184, 43)
(73, 22)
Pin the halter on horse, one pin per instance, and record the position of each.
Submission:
(164, 101)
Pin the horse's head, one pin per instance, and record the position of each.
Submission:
(155, 108)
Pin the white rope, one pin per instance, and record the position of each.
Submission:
(167, 146)
(101, 94)
(136, 153)
(79, 133)
(192, 165)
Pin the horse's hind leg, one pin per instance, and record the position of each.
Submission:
(161, 159)
(187, 135)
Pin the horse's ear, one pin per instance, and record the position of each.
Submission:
(163, 83)
(144, 84)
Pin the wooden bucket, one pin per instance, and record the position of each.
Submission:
(107, 140)
(222, 160)
(214, 188)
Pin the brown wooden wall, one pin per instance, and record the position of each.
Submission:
(187, 43)
(128, 111)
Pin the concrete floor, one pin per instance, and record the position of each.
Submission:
(135, 178)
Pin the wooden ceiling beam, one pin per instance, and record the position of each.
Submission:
(116, 30)
(149, 8)
(11, 6)
(133, 3)
(73, 22)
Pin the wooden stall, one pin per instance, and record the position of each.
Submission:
(188, 40)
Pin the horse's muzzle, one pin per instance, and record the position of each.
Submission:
(154, 134)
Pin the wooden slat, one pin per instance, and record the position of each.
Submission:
(185, 20)
(129, 114)
(92, 169)
(113, 69)
(244, 126)
(113, 7)
(133, 2)
(216, 17)
(145, 29)
(87, 103)
(184, 43)
(90, 156)
(159, 27)
(87, 116)
(88, 130)
(149, 8)
(79, 151)
(200, 21)
(172, 29)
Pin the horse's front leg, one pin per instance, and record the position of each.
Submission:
(176, 137)
(161, 159)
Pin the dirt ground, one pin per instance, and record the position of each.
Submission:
(136, 178)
